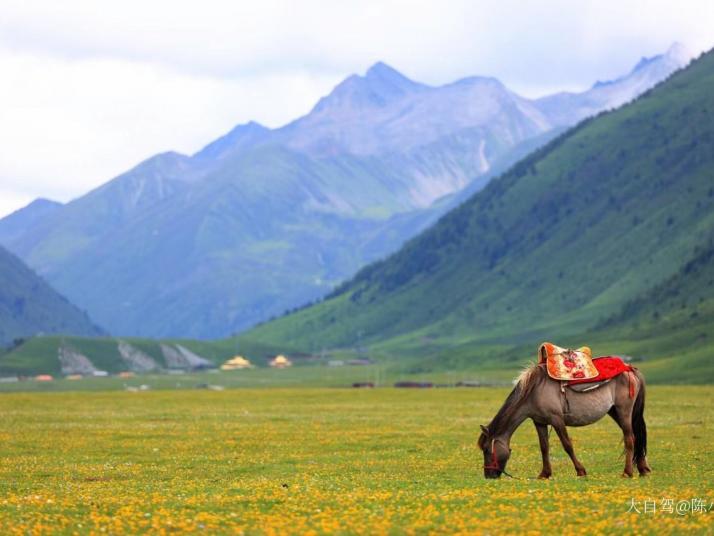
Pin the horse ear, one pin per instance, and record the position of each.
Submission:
(484, 429)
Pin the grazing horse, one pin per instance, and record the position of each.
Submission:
(547, 402)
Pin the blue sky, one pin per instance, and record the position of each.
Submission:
(91, 88)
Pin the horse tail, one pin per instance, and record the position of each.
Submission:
(639, 428)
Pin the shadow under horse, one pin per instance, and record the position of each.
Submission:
(544, 400)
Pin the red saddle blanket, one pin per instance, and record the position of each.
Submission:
(607, 367)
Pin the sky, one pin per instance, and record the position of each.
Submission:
(89, 88)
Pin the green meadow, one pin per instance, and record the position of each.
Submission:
(318, 460)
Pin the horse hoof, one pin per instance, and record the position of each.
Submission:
(583, 472)
(543, 476)
(626, 475)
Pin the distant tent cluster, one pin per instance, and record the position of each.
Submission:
(239, 362)
(236, 363)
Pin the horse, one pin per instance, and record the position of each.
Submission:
(542, 399)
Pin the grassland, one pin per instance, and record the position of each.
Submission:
(329, 460)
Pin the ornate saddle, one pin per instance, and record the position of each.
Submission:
(577, 370)
(564, 364)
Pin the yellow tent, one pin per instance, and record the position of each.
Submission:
(235, 363)
(280, 361)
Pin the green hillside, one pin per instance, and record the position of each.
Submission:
(29, 306)
(603, 237)
(39, 355)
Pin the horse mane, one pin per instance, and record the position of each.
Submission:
(527, 380)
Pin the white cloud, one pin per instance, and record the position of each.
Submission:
(69, 125)
(91, 88)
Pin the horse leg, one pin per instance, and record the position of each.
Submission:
(625, 423)
(562, 432)
(643, 467)
(639, 427)
(542, 430)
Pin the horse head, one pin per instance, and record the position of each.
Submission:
(496, 453)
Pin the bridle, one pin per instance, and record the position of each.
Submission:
(494, 465)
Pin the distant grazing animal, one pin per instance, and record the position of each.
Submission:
(556, 403)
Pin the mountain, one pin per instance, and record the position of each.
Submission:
(263, 220)
(14, 225)
(569, 108)
(29, 306)
(384, 112)
(241, 137)
(604, 236)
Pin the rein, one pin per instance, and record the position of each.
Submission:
(494, 461)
